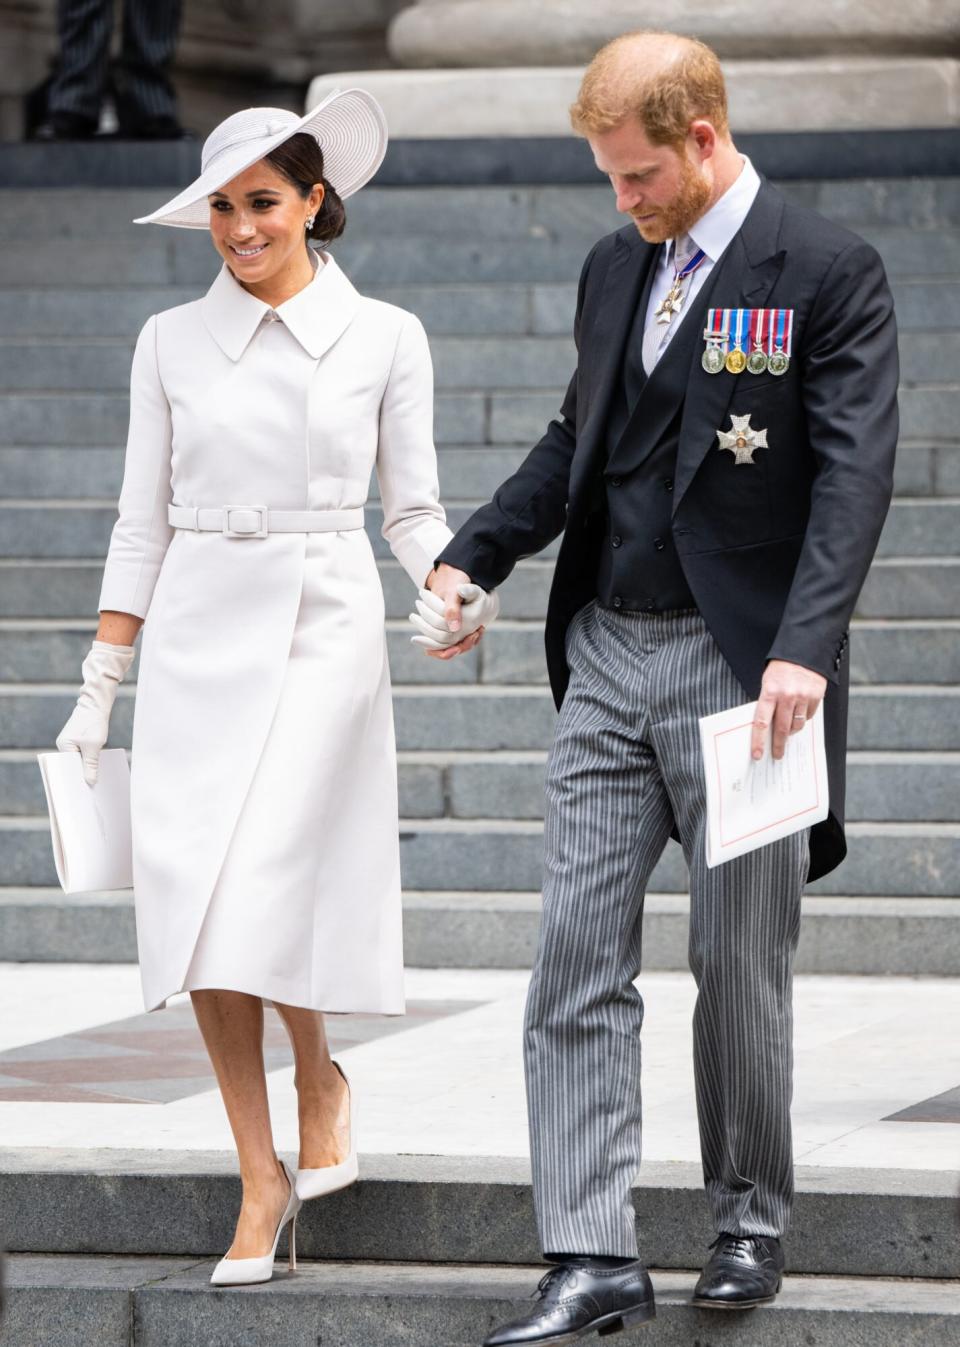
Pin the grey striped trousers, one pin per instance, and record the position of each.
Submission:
(147, 49)
(626, 764)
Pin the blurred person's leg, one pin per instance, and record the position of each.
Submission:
(146, 101)
(76, 91)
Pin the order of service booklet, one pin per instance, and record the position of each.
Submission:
(89, 825)
(751, 803)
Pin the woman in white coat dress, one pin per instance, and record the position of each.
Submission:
(266, 856)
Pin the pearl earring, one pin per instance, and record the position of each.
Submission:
(308, 223)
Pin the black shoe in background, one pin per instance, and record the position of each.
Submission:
(742, 1272)
(575, 1300)
(64, 126)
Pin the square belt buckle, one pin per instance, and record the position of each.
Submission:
(244, 521)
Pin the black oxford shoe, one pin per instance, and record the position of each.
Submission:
(65, 126)
(743, 1271)
(576, 1300)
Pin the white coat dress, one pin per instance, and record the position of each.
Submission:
(264, 796)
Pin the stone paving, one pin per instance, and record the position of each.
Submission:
(82, 1066)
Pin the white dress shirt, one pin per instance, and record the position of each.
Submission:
(713, 232)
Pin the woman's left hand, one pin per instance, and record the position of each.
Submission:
(480, 608)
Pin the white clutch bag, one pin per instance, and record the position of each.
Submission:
(89, 825)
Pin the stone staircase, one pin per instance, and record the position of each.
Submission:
(492, 272)
(433, 1252)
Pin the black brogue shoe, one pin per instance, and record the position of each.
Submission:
(574, 1300)
(743, 1271)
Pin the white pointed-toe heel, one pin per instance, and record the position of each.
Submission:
(247, 1271)
(320, 1182)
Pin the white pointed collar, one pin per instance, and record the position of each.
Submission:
(316, 315)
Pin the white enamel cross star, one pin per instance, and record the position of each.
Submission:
(670, 304)
(742, 440)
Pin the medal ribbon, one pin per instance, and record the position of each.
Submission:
(780, 333)
(741, 316)
(690, 267)
(757, 321)
(715, 323)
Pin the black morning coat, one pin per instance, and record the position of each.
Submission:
(775, 552)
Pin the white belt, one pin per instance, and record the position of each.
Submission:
(256, 521)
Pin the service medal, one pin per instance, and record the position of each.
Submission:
(736, 361)
(779, 341)
(756, 362)
(757, 359)
(715, 334)
(713, 359)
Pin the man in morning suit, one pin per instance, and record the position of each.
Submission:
(721, 468)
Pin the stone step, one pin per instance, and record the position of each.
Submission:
(512, 652)
(881, 787)
(904, 937)
(467, 472)
(915, 717)
(925, 527)
(880, 652)
(100, 364)
(491, 211)
(884, 860)
(491, 417)
(909, 589)
(186, 257)
(80, 419)
(441, 1209)
(480, 309)
(73, 1301)
(891, 787)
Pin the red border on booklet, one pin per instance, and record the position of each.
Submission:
(776, 822)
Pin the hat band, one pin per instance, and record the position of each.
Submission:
(271, 130)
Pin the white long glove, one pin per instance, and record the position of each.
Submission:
(480, 608)
(86, 730)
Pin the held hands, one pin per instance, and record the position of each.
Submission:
(789, 697)
(86, 730)
(452, 613)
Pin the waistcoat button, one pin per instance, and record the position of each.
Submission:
(617, 601)
(659, 544)
(616, 481)
(616, 540)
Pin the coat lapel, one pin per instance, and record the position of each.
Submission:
(316, 316)
(602, 345)
(744, 278)
(322, 312)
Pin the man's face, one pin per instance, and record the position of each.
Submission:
(663, 190)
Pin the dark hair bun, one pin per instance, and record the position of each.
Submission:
(331, 217)
(300, 161)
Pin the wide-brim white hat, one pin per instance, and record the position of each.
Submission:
(348, 125)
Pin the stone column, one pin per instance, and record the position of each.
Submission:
(511, 67)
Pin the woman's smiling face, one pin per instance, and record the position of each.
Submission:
(258, 223)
